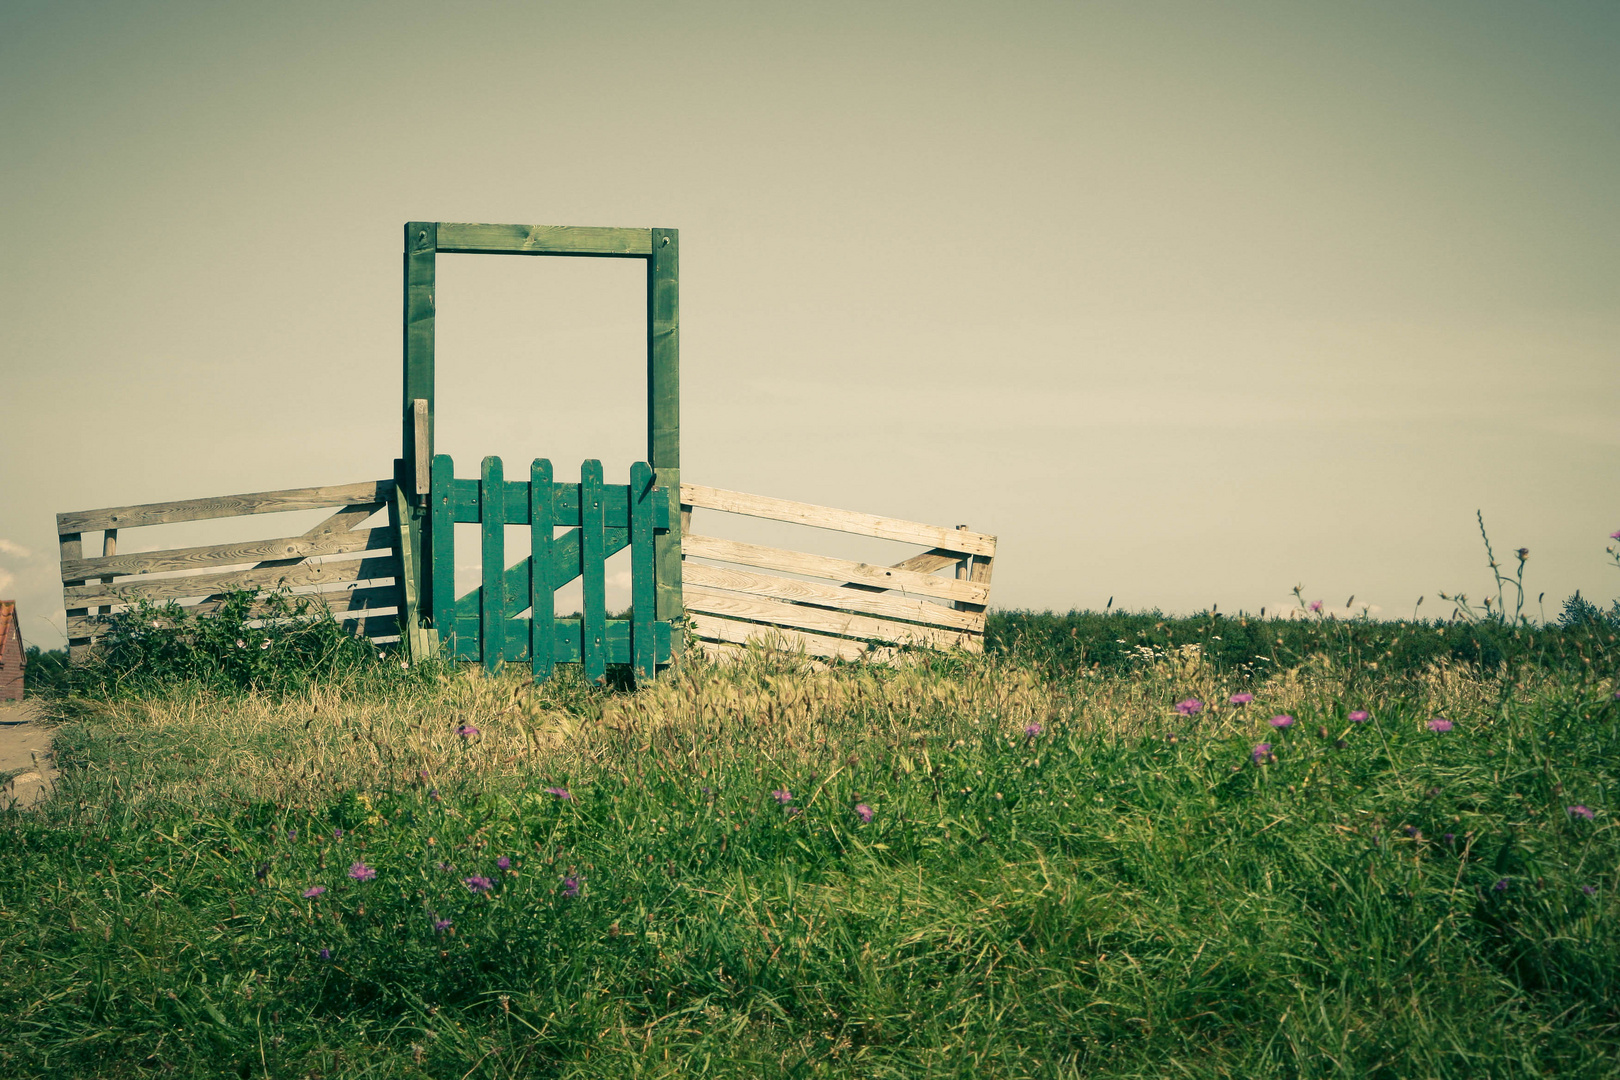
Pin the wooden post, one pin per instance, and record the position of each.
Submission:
(492, 514)
(643, 573)
(421, 258)
(542, 594)
(443, 576)
(664, 414)
(72, 550)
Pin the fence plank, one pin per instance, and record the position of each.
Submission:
(643, 570)
(492, 491)
(843, 570)
(826, 517)
(442, 541)
(297, 576)
(259, 502)
(719, 602)
(593, 571)
(195, 558)
(882, 605)
(565, 566)
(542, 593)
(730, 631)
(472, 238)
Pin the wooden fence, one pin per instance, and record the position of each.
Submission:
(828, 607)
(356, 573)
(602, 520)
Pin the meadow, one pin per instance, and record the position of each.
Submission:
(1111, 846)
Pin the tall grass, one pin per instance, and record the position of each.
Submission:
(975, 866)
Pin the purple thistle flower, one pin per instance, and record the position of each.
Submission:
(446, 867)
(504, 863)
(478, 883)
(1281, 721)
(1190, 706)
(1589, 890)
(337, 834)
(1617, 695)
(1500, 886)
(1615, 535)
(570, 886)
(782, 795)
(313, 891)
(1260, 752)
(441, 925)
(1032, 730)
(559, 792)
(1449, 837)
(1440, 725)
(434, 795)
(1316, 606)
(1581, 812)
(326, 954)
(1241, 699)
(361, 872)
(863, 812)
(292, 836)
(1360, 716)
(466, 731)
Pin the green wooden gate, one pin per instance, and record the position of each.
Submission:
(603, 520)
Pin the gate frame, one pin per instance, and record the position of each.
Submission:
(424, 241)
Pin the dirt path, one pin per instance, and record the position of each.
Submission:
(27, 776)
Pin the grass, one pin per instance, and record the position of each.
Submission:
(1062, 875)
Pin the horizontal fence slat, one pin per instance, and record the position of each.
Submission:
(345, 605)
(472, 238)
(843, 570)
(272, 577)
(827, 517)
(569, 636)
(881, 605)
(707, 601)
(465, 506)
(260, 502)
(288, 547)
(735, 633)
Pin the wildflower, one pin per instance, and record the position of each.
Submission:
(1316, 606)
(361, 872)
(1439, 725)
(1282, 721)
(1449, 837)
(1190, 706)
(1500, 886)
(570, 886)
(263, 645)
(1589, 890)
(337, 834)
(1241, 699)
(478, 883)
(1360, 716)
(1260, 752)
(313, 891)
(782, 795)
(434, 795)
(1523, 554)
(1581, 812)
(326, 954)
(559, 792)
(1032, 730)
(441, 925)
(863, 812)
(466, 731)
(292, 836)
(240, 644)
(504, 863)
(446, 867)
(1612, 536)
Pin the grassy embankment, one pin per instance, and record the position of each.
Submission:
(1061, 874)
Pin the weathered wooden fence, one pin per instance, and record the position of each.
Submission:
(603, 519)
(354, 572)
(834, 608)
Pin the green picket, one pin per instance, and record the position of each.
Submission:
(492, 495)
(542, 593)
(593, 569)
(643, 586)
(442, 543)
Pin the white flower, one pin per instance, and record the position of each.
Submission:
(240, 644)
(264, 645)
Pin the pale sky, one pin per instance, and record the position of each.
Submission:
(1187, 303)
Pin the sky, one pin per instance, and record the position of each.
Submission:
(1187, 303)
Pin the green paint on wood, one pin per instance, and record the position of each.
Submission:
(593, 570)
(664, 408)
(442, 541)
(493, 554)
(410, 622)
(643, 581)
(421, 243)
(542, 593)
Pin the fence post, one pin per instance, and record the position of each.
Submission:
(592, 571)
(542, 594)
(664, 416)
(492, 514)
(442, 545)
(643, 573)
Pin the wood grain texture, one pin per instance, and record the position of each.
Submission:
(709, 601)
(471, 238)
(196, 558)
(664, 412)
(643, 570)
(906, 582)
(849, 521)
(421, 285)
(345, 605)
(301, 575)
(422, 438)
(260, 502)
(881, 605)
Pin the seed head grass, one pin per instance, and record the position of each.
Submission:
(766, 869)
